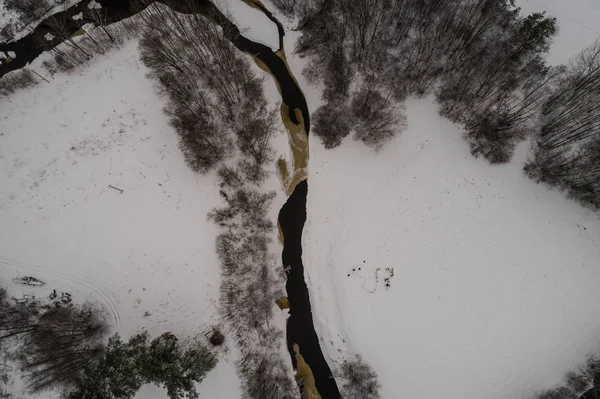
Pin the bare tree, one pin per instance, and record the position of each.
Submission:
(359, 381)
(378, 118)
(288, 7)
(99, 16)
(64, 341)
(16, 319)
(61, 26)
(567, 150)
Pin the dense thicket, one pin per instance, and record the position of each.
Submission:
(64, 348)
(567, 151)
(125, 367)
(63, 342)
(583, 383)
(52, 346)
(250, 286)
(482, 59)
(358, 379)
(287, 7)
(214, 100)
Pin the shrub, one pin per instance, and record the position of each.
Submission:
(490, 137)
(359, 381)
(216, 337)
(584, 383)
(377, 118)
(332, 123)
(287, 7)
(17, 80)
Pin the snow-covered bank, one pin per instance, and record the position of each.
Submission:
(146, 254)
(494, 278)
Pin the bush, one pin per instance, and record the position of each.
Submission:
(332, 123)
(17, 80)
(216, 337)
(249, 287)
(359, 381)
(492, 138)
(287, 7)
(583, 383)
(377, 118)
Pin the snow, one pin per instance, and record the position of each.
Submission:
(94, 4)
(149, 249)
(494, 277)
(577, 20)
(491, 272)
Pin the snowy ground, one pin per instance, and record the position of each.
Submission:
(149, 249)
(493, 279)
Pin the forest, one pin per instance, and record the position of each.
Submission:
(482, 60)
(63, 348)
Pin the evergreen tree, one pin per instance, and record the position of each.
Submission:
(125, 367)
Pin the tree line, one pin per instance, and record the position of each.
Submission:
(217, 107)
(483, 61)
(583, 383)
(567, 150)
(214, 100)
(52, 346)
(481, 58)
(63, 348)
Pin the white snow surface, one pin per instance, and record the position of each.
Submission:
(495, 279)
(150, 249)
(252, 23)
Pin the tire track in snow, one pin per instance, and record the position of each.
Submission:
(76, 281)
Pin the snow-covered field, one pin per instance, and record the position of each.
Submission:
(493, 280)
(147, 254)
